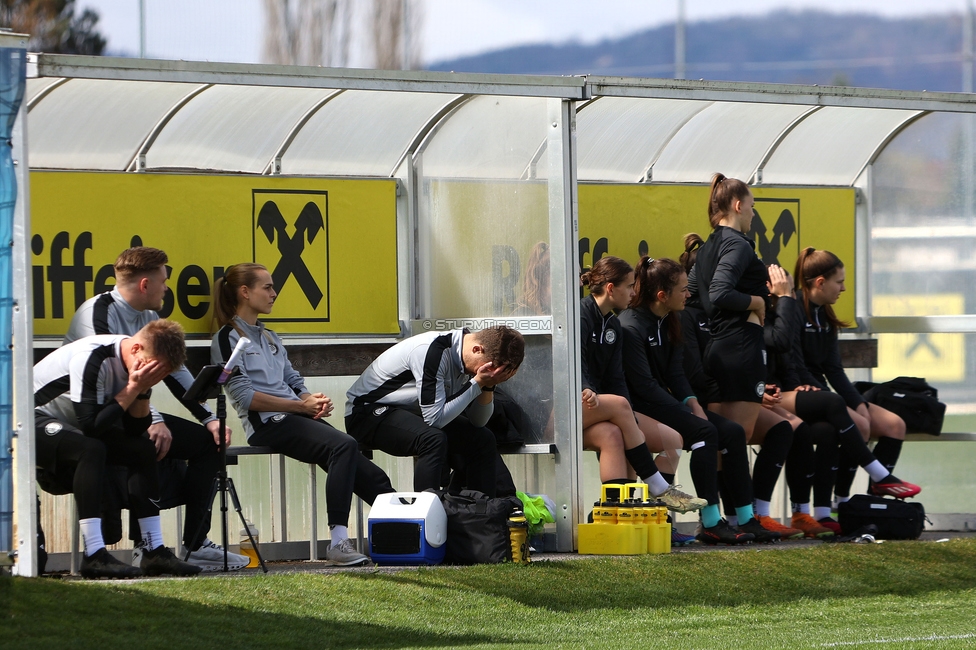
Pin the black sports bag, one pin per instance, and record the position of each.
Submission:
(895, 519)
(477, 527)
(912, 398)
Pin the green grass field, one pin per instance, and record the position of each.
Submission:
(893, 595)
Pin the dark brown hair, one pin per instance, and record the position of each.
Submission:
(225, 289)
(810, 265)
(138, 261)
(652, 276)
(607, 270)
(503, 345)
(536, 284)
(724, 192)
(693, 242)
(165, 341)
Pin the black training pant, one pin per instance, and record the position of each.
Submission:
(79, 461)
(459, 444)
(315, 441)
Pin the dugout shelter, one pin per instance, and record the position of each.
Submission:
(393, 203)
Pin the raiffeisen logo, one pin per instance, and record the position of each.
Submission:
(291, 238)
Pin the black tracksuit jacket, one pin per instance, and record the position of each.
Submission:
(729, 274)
(654, 367)
(821, 356)
(601, 345)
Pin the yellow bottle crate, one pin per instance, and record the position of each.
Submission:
(613, 539)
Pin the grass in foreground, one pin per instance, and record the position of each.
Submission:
(895, 595)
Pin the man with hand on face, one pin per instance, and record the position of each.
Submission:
(430, 397)
(91, 400)
(140, 286)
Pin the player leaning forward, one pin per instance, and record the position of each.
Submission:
(92, 409)
(140, 286)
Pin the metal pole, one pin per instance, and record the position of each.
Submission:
(679, 42)
(968, 126)
(564, 257)
(25, 511)
(405, 34)
(142, 29)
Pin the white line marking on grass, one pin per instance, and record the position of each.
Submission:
(934, 637)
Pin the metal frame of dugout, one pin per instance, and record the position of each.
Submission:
(562, 96)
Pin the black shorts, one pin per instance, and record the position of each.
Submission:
(737, 363)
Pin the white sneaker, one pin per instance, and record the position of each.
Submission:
(344, 554)
(210, 557)
(679, 501)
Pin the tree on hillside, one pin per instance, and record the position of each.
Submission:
(53, 26)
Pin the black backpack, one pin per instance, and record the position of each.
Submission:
(912, 399)
(895, 519)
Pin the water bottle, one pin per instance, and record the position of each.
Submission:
(518, 534)
(246, 547)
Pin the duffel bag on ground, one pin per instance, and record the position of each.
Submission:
(895, 519)
(477, 527)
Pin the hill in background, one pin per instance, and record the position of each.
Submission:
(809, 47)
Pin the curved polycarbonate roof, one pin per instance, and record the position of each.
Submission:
(232, 128)
(618, 138)
(731, 138)
(103, 125)
(97, 124)
(832, 145)
(488, 137)
(361, 133)
(37, 86)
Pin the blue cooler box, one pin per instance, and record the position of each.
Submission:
(407, 528)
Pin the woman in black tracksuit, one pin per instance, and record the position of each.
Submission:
(659, 389)
(610, 426)
(731, 283)
(820, 276)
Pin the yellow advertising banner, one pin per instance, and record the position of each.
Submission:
(629, 221)
(937, 357)
(330, 244)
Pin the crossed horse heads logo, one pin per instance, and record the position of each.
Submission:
(783, 231)
(307, 227)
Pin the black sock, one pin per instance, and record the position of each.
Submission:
(887, 451)
(826, 460)
(641, 460)
(846, 471)
(801, 464)
(770, 460)
(668, 477)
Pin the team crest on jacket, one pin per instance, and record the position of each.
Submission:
(760, 389)
(277, 417)
(379, 410)
(52, 428)
(610, 336)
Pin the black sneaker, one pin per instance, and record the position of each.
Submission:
(722, 533)
(761, 534)
(102, 564)
(159, 561)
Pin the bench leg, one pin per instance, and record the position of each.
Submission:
(75, 535)
(313, 533)
(360, 536)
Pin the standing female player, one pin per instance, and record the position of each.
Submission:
(610, 426)
(731, 282)
(659, 389)
(820, 276)
(278, 411)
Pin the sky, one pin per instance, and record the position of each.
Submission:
(231, 30)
